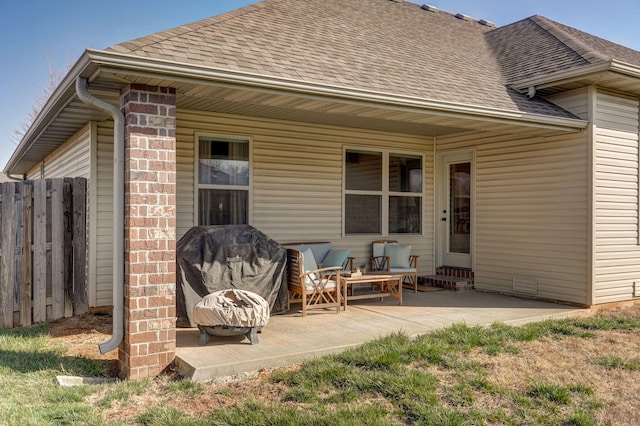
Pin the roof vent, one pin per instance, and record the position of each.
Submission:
(430, 8)
(487, 23)
(464, 17)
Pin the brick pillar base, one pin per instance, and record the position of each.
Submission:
(150, 237)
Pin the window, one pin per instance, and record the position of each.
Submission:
(382, 193)
(222, 173)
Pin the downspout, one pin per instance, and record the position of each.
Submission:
(118, 211)
(531, 93)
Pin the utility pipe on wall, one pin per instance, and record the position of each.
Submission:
(118, 211)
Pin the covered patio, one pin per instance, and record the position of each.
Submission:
(290, 338)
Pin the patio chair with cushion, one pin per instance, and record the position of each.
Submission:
(324, 254)
(390, 256)
(314, 287)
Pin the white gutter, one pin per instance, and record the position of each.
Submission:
(118, 63)
(19, 179)
(625, 68)
(118, 211)
(599, 69)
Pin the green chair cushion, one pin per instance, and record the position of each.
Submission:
(335, 258)
(398, 255)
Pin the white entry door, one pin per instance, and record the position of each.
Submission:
(455, 209)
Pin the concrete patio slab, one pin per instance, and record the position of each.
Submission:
(290, 338)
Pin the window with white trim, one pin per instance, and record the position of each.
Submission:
(383, 192)
(222, 180)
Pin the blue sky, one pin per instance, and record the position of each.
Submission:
(36, 35)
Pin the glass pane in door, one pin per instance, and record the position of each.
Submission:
(460, 208)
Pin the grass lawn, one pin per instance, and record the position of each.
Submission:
(579, 371)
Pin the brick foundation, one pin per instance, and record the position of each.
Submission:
(150, 231)
(450, 278)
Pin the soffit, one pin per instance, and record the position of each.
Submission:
(233, 99)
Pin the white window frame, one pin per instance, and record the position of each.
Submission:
(196, 172)
(384, 193)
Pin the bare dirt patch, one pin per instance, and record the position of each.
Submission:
(82, 335)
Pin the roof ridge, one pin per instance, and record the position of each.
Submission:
(557, 31)
(187, 28)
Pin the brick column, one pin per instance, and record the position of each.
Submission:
(150, 231)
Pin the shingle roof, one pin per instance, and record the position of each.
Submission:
(537, 46)
(374, 45)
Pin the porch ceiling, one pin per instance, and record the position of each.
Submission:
(322, 109)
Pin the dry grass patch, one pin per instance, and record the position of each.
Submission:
(569, 374)
(194, 400)
(570, 361)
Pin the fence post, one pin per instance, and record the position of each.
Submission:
(27, 212)
(79, 246)
(57, 249)
(7, 281)
(6, 278)
(40, 251)
(18, 260)
(67, 263)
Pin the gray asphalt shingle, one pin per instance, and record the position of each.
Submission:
(375, 45)
(538, 46)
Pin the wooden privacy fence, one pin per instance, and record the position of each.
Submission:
(42, 250)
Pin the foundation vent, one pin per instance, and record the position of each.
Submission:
(430, 8)
(525, 285)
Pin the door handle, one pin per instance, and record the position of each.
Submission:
(444, 219)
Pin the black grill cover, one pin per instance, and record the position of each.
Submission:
(213, 258)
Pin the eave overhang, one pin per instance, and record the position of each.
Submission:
(113, 70)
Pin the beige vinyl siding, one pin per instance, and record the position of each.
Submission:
(71, 159)
(617, 254)
(297, 178)
(185, 184)
(530, 213)
(101, 293)
(575, 101)
(34, 173)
